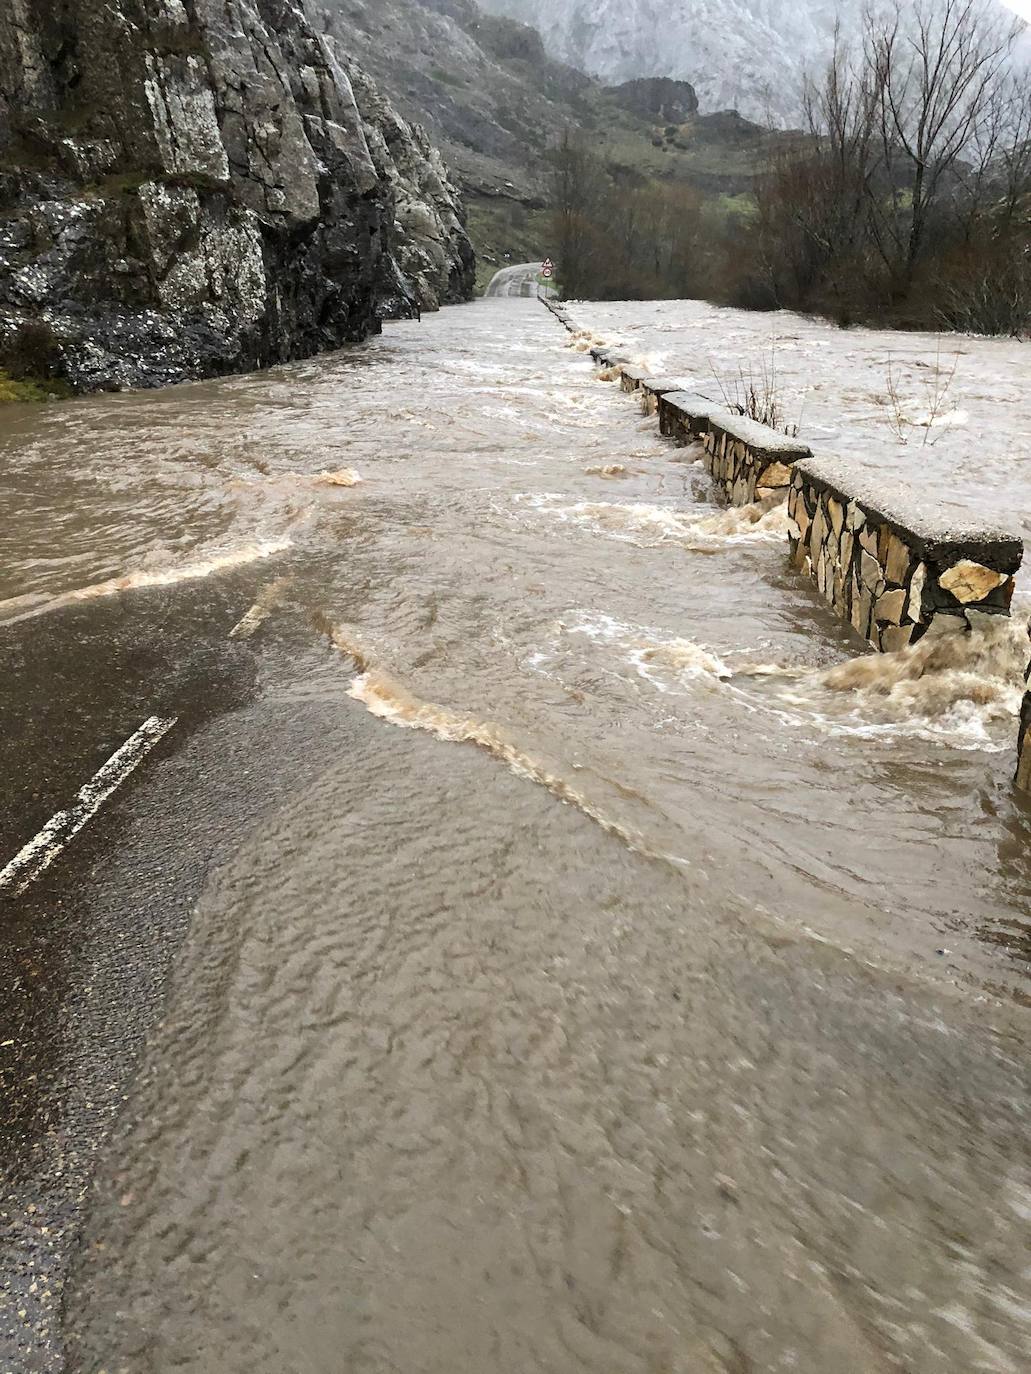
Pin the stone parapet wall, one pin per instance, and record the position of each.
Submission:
(654, 388)
(607, 357)
(747, 461)
(631, 377)
(888, 563)
(684, 416)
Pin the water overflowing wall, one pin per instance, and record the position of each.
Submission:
(747, 461)
(886, 561)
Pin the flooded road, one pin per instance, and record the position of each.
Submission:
(947, 412)
(605, 966)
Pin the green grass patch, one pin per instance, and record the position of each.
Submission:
(31, 390)
(743, 206)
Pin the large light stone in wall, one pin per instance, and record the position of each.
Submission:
(862, 610)
(897, 559)
(855, 592)
(915, 609)
(896, 637)
(890, 606)
(838, 598)
(836, 512)
(821, 570)
(776, 475)
(868, 539)
(819, 533)
(847, 540)
(871, 573)
(969, 582)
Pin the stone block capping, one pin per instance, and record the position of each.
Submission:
(748, 461)
(886, 561)
(608, 357)
(653, 388)
(631, 377)
(684, 415)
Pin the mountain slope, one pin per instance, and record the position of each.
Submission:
(748, 55)
(495, 102)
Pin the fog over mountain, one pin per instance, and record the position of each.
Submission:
(738, 54)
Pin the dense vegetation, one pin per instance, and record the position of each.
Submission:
(906, 199)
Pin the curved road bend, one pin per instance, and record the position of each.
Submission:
(519, 280)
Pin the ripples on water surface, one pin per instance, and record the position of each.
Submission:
(670, 1078)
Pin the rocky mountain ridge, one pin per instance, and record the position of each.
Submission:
(192, 189)
(748, 55)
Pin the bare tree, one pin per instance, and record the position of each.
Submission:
(934, 71)
(1014, 159)
(577, 190)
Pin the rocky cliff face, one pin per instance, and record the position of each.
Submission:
(192, 187)
(432, 247)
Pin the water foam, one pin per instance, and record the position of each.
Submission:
(386, 698)
(664, 661)
(953, 682)
(344, 477)
(25, 607)
(648, 526)
(608, 470)
(951, 687)
(583, 340)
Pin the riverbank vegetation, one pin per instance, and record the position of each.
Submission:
(14, 390)
(29, 366)
(904, 200)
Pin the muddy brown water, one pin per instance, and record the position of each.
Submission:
(645, 990)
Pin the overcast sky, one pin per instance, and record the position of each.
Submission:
(1022, 7)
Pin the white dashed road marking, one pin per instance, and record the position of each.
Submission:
(41, 851)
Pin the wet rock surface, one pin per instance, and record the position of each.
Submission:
(197, 190)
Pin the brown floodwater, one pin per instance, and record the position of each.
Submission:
(645, 993)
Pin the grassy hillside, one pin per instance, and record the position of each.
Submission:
(495, 103)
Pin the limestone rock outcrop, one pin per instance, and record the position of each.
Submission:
(432, 248)
(191, 187)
